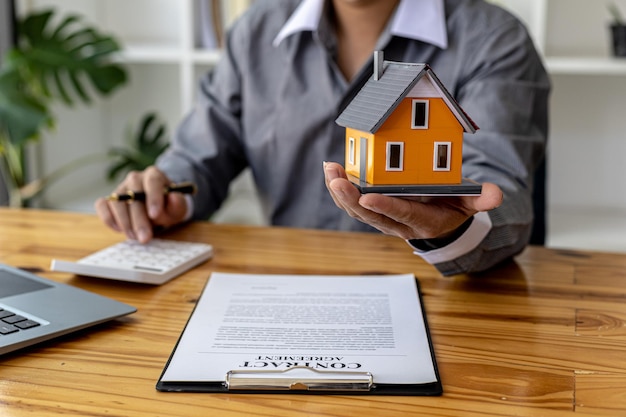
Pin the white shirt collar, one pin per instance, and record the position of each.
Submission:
(422, 20)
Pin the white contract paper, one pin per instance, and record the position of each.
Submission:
(249, 322)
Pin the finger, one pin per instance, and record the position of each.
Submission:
(163, 209)
(104, 213)
(346, 196)
(124, 218)
(154, 183)
(333, 171)
(343, 192)
(174, 210)
(391, 215)
(431, 217)
(350, 199)
(142, 213)
(141, 224)
(490, 198)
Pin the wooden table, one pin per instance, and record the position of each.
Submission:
(544, 335)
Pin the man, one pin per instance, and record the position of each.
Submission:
(287, 71)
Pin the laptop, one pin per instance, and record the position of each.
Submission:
(34, 309)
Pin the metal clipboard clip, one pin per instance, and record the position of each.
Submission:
(298, 378)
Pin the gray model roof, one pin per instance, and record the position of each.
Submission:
(379, 98)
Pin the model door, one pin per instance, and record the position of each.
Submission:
(363, 159)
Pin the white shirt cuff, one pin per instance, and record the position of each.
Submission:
(475, 233)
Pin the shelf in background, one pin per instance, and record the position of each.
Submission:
(147, 53)
(586, 65)
(207, 57)
(151, 53)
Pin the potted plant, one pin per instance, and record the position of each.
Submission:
(618, 31)
(68, 63)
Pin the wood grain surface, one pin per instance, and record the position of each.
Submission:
(542, 335)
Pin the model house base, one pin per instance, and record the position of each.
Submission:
(467, 187)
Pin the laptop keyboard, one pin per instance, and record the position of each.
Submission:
(11, 322)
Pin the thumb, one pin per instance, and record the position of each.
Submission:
(490, 198)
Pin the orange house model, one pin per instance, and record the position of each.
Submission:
(404, 133)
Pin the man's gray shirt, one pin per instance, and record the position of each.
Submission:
(273, 109)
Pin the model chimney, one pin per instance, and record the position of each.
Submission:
(378, 65)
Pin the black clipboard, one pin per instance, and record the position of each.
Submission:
(312, 382)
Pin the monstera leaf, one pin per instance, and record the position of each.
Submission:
(64, 63)
(68, 62)
(21, 115)
(144, 147)
(65, 54)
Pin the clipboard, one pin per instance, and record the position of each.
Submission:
(298, 379)
(237, 382)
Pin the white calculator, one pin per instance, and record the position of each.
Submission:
(155, 262)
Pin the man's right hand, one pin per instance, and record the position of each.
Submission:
(136, 219)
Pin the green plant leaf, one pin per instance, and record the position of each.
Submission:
(143, 148)
(22, 116)
(66, 56)
(117, 169)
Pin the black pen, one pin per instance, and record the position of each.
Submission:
(183, 188)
